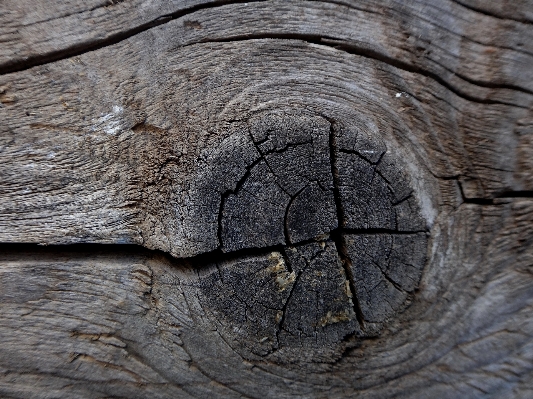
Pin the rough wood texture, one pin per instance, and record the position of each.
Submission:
(106, 321)
(37, 32)
(157, 172)
(334, 199)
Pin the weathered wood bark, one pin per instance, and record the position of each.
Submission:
(334, 199)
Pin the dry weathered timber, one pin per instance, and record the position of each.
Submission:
(137, 134)
(520, 10)
(444, 137)
(105, 321)
(445, 40)
(158, 169)
(336, 185)
(36, 32)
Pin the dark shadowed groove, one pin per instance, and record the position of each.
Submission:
(478, 201)
(92, 249)
(332, 42)
(286, 260)
(286, 217)
(218, 256)
(346, 262)
(516, 194)
(351, 48)
(489, 14)
(509, 194)
(493, 201)
(376, 231)
(335, 235)
(284, 313)
(91, 45)
(31, 250)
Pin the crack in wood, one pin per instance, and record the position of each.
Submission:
(323, 40)
(351, 48)
(337, 238)
(509, 194)
(289, 297)
(286, 217)
(82, 48)
(492, 15)
(227, 193)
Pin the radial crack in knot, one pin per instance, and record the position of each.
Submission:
(324, 238)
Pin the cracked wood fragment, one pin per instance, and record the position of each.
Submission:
(287, 196)
(168, 193)
(291, 307)
(386, 269)
(34, 33)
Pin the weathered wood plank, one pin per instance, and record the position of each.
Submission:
(451, 42)
(38, 32)
(341, 183)
(128, 153)
(101, 321)
(143, 159)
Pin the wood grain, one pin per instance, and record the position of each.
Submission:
(55, 103)
(35, 33)
(334, 199)
(103, 321)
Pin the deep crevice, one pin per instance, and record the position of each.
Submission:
(369, 53)
(286, 217)
(351, 48)
(487, 13)
(427, 19)
(493, 201)
(346, 262)
(377, 231)
(516, 194)
(286, 260)
(61, 250)
(286, 304)
(217, 256)
(81, 48)
(200, 260)
(478, 201)
(335, 235)
(509, 194)
(332, 42)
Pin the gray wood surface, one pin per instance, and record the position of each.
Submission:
(37, 32)
(334, 199)
(105, 321)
